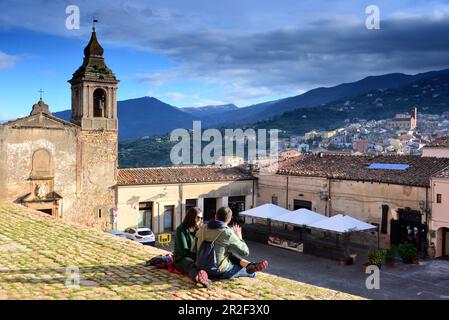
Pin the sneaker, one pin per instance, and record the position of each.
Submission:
(256, 266)
(202, 278)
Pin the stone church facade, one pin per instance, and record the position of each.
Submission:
(67, 169)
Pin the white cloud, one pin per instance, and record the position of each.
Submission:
(7, 117)
(7, 61)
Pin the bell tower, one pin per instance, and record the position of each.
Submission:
(94, 109)
(94, 91)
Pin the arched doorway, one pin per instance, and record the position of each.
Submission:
(99, 103)
(444, 236)
(41, 164)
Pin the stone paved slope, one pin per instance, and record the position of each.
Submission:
(35, 251)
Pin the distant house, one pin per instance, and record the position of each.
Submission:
(404, 121)
(289, 153)
(437, 148)
(360, 145)
(232, 161)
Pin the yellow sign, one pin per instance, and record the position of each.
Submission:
(164, 239)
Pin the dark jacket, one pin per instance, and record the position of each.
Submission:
(183, 243)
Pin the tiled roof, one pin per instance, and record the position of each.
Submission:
(33, 121)
(190, 174)
(356, 168)
(443, 174)
(442, 142)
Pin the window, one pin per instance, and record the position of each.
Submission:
(237, 205)
(168, 218)
(130, 230)
(191, 203)
(145, 218)
(99, 213)
(439, 198)
(302, 204)
(274, 199)
(384, 225)
(210, 208)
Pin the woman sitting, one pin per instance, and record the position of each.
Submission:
(183, 258)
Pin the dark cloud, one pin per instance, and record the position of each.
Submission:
(249, 62)
(327, 54)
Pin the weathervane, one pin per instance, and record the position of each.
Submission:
(41, 92)
(93, 23)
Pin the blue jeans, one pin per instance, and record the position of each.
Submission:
(236, 271)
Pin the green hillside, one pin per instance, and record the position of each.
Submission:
(430, 95)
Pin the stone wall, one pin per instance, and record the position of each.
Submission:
(84, 169)
(96, 179)
(361, 200)
(17, 148)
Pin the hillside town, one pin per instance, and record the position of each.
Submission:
(406, 134)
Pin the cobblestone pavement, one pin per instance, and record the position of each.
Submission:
(37, 252)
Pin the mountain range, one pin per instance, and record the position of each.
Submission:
(207, 111)
(429, 95)
(149, 116)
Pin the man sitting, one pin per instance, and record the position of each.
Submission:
(226, 239)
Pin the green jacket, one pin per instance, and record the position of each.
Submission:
(183, 243)
(226, 241)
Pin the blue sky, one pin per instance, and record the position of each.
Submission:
(200, 52)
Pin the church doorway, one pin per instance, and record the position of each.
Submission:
(47, 211)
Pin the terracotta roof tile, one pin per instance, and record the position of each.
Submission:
(190, 174)
(442, 142)
(443, 174)
(356, 168)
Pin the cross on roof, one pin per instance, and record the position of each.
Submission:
(41, 92)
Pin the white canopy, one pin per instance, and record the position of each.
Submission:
(342, 224)
(300, 217)
(265, 211)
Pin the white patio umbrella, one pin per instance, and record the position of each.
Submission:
(265, 211)
(300, 217)
(342, 224)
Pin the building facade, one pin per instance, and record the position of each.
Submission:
(405, 121)
(67, 169)
(158, 198)
(440, 213)
(373, 189)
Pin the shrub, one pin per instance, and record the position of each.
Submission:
(391, 253)
(375, 257)
(407, 252)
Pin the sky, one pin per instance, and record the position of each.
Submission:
(192, 53)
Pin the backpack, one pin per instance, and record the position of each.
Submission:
(206, 258)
